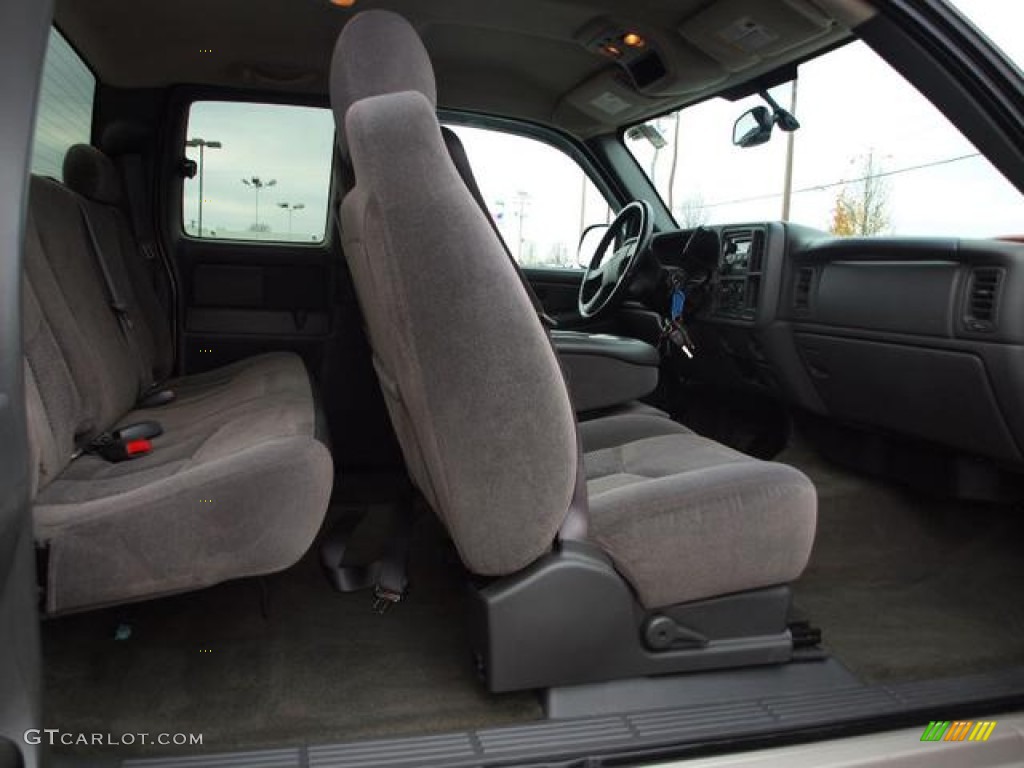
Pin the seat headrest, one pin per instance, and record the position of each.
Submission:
(378, 52)
(92, 174)
(124, 137)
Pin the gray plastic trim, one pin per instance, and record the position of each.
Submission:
(570, 618)
(650, 693)
(668, 731)
(603, 371)
(269, 758)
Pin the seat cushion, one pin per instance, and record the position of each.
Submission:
(203, 395)
(267, 374)
(632, 408)
(685, 518)
(626, 423)
(241, 493)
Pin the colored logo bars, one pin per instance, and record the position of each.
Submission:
(958, 730)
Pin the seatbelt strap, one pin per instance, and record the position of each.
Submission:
(135, 199)
(117, 302)
(43, 574)
(386, 576)
(131, 172)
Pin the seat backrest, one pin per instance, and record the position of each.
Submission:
(457, 151)
(95, 177)
(472, 383)
(80, 375)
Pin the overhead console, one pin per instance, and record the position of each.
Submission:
(653, 65)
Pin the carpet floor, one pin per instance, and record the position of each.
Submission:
(906, 587)
(320, 667)
(903, 587)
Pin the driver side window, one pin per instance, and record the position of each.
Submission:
(540, 198)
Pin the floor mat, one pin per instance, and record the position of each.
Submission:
(907, 588)
(320, 667)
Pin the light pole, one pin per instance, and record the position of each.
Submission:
(202, 144)
(256, 183)
(787, 183)
(291, 208)
(522, 198)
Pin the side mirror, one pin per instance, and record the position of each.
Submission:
(589, 240)
(753, 128)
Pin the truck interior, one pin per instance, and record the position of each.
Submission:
(330, 462)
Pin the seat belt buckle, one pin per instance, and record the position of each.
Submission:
(157, 397)
(384, 598)
(130, 442)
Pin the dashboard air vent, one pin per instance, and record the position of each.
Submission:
(983, 299)
(802, 289)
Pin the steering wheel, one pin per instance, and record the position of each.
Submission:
(605, 281)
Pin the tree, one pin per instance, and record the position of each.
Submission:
(862, 206)
(842, 216)
(692, 212)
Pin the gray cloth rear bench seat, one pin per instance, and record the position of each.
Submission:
(95, 178)
(237, 485)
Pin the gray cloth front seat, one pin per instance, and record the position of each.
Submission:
(474, 388)
(606, 374)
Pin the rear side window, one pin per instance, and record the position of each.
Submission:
(263, 172)
(64, 113)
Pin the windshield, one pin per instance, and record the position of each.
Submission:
(872, 157)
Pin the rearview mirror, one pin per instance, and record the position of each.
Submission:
(753, 128)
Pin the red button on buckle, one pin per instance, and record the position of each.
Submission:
(137, 447)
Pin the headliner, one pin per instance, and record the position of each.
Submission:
(524, 59)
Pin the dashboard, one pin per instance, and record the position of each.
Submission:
(738, 288)
(917, 337)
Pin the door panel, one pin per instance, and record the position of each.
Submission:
(241, 299)
(248, 220)
(558, 290)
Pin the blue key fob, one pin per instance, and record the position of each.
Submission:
(678, 303)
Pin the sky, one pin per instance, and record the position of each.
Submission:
(292, 146)
(851, 104)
